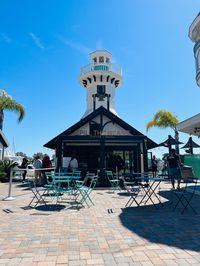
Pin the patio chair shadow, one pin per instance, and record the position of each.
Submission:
(50, 207)
(123, 193)
(162, 225)
(23, 185)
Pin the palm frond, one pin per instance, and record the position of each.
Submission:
(9, 104)
(163, 119)
(150, 124)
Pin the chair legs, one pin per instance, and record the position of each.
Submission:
(185, 201)
(86, 197)
(37, 196)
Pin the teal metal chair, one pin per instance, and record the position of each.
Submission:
(114, 181)
(85, 191)
(50, 184)
(62, 185)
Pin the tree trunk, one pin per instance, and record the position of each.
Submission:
(1, 119)
(177, 140)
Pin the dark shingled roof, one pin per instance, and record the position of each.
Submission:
(101, 110)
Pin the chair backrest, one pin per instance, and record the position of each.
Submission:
(93, 181)
(109, 175)
(76, 173)
(187, 174)
(49, 176)
(62, 178)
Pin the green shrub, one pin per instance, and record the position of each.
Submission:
(5, 169)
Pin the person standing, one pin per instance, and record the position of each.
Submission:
(73, 164)
(173, 164)
(46, 163)
(24, 166)
(38, 173)
(154, 166)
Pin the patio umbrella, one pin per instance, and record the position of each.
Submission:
(169, 142)
(190, 145)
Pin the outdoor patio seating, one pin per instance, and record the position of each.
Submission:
(133, 189)
(185, 195)
(141, 184)
(38, 193)
(64, 185)
(113, 180)
(85, 190)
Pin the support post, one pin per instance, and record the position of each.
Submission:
(9, 197)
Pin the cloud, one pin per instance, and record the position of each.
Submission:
(36, 40)
(5, 37)
(79, 47)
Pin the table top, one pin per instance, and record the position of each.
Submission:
(149, 178)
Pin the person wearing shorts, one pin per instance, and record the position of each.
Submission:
(174, 163)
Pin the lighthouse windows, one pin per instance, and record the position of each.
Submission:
(101, 59)
(95, 60)
(101, 90)
(107, 60)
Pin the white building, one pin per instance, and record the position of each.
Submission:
(194, 34)
(192, 125)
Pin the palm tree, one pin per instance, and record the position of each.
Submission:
(8, 103)
(165, 119)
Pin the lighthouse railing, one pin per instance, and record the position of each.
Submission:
(101, 67)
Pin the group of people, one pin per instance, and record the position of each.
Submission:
(173, 165)
(39, 164)
(43, 165)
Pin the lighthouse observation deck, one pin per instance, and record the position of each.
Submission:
(101, 67)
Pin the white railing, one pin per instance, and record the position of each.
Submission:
(101, 67)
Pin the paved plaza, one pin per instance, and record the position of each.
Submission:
(105, 234)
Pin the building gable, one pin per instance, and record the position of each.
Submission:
(112, 125)
(92, 127)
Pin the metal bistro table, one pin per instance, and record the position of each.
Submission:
(150, 186)
(141, 182)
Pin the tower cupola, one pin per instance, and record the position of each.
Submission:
(100, 78)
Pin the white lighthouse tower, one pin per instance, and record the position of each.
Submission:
(100, 78)
(194, 34)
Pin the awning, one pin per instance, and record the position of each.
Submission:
(190, 126)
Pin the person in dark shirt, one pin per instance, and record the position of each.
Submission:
(154, 166)
(174, 163)
(46, 163)
(24, 166)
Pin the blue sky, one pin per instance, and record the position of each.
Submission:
(43, 44)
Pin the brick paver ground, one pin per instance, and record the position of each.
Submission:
(105, 234)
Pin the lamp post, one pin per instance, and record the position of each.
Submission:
(169, 143)
(101, 127)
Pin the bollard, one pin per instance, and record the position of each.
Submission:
(9, 197)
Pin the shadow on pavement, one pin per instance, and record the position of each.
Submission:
(163, 225)
(50, 207)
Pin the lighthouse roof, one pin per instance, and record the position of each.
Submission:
(100, 52)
